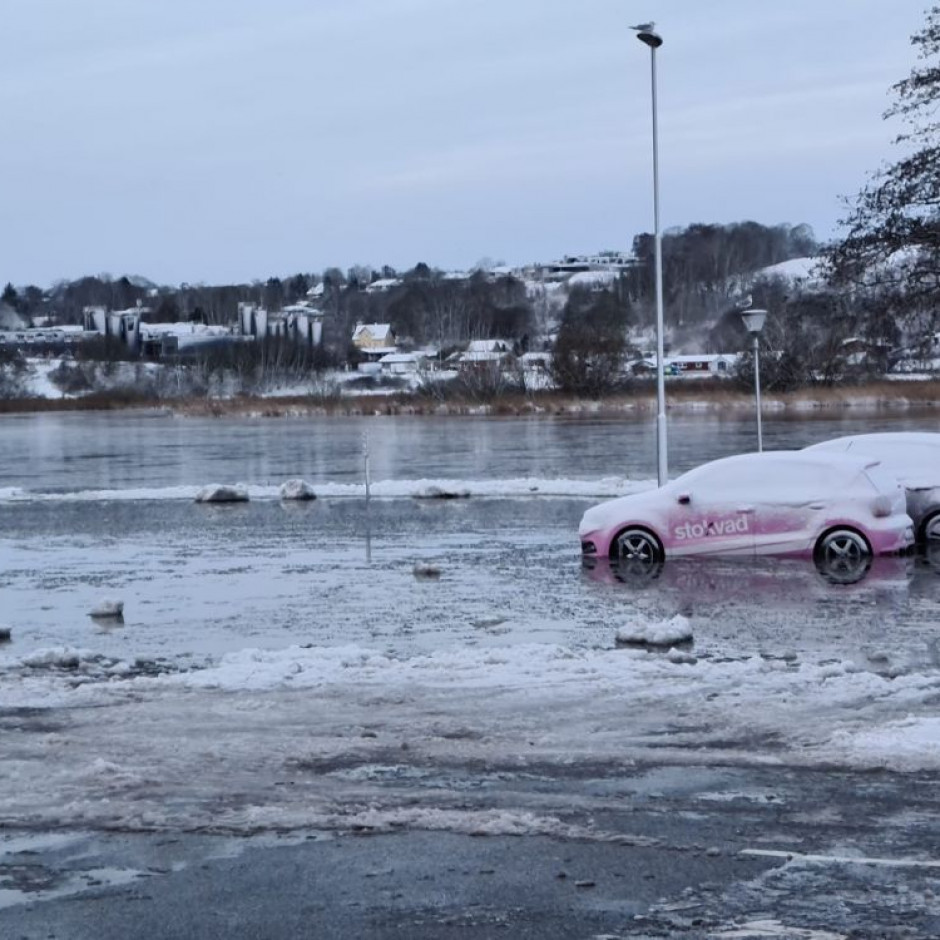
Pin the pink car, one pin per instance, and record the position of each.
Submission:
(781, 503)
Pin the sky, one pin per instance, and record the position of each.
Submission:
(228, 140)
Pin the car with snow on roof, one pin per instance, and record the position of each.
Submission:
(821, 504)
(911, 456)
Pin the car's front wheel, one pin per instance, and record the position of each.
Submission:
(636, 545)
(842, 547)
(931, 528)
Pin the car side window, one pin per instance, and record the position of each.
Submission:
(768, 482)
(723, 482)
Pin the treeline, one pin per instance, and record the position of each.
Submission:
(428, 306)
(704, 266)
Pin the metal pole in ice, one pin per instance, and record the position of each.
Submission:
(368, 481)
(647, 34)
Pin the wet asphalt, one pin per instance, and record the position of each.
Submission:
(784, 853)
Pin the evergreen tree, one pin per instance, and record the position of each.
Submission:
(10, 297)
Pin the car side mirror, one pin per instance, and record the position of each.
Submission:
(684, 499)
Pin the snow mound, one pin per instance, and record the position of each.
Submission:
(223, 493)
(657, 633)
(56, 657)
(297, 489)
(107, 609)
(434, 491)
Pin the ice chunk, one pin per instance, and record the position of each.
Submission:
(657, 633)
(223, 493)
(297, 489)
(108, 610)
(680, 658)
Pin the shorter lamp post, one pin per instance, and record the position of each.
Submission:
(754, 322)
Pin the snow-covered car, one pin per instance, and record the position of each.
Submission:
(914, 458)
(823, 504)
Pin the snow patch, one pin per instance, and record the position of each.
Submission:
(656, 633)
(756, 929)
(913, 743)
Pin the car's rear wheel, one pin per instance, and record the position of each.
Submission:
(637, 546)
(842, 547)
(930, 530)
(843, 570)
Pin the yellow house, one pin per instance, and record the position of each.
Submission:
(373, 336)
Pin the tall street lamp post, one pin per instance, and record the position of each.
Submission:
(754, 322)
(647, 34)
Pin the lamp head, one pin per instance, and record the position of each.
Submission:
(754, 320)
(646, 33)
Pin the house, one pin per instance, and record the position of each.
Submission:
(402, 363)
(485, 354)
(478, 346)
(536, 371)
(383, 285)
(860, 352)
(372, 336)
(697, 366)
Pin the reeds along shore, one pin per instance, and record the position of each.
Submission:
(685, 397)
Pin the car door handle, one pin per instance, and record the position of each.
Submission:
(817, 505)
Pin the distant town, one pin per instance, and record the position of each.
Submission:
(581, 324)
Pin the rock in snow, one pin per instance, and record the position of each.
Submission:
(6, 633)
(108, 610)
(657, 633)
(424, 570)
(297, 489)
(438, 492)
(223, 493)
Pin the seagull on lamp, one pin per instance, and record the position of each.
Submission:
(646, 33)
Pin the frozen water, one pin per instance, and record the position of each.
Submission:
(281, 666)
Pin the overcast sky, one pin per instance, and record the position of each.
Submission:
(227, 140)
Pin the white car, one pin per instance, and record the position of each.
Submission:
(780, 503)
(914, 458)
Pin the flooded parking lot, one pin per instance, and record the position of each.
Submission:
(414, 665)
